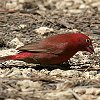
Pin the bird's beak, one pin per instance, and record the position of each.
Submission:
(90, 49)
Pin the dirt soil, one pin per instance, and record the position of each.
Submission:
(38, 20)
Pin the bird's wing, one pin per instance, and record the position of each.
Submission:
(54, 48)
(33, 47)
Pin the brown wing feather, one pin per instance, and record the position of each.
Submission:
(45, 47)
(33, 47)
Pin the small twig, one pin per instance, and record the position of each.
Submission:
(44, 21)
(89, 69)
(75, 95)
(8, 11)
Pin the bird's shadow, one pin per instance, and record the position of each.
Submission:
(52, 67)
(65, 66)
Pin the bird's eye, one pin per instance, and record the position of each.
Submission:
(88, 40)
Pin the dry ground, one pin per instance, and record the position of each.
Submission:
(21, 81)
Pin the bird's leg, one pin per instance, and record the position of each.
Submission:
(66, 64)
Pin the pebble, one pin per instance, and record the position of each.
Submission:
(16, 43)
(21, 1)
(75, 11)
(43, 30)
(90, 75)
(96, 4)
(88, 97)
(69, 73)
(45, 71)
(27, 85)
(97, 76)
(97, 49)
(59, 95)
(97, 92)
(22, 26)
(98, 98)
(80, 90)
(15, 73)
(91, 91)
(12, 6)
(7, 52)
(27, 73)
(64, 4)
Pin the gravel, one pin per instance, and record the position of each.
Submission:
(23, 22)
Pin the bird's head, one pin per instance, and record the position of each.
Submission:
(85, 43)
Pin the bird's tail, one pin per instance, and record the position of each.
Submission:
(6, 58)
(18, 56)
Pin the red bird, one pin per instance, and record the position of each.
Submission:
(53, 50)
